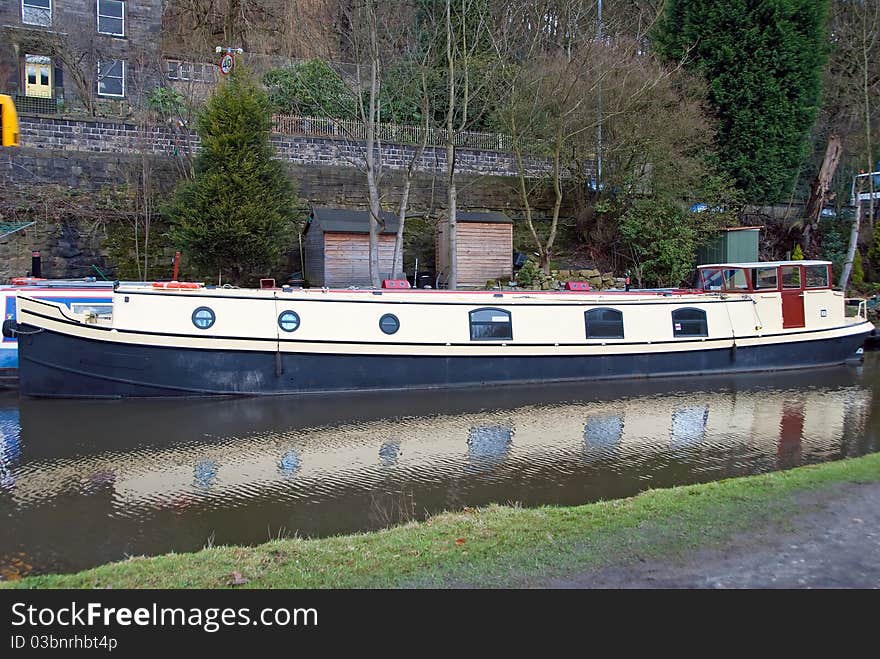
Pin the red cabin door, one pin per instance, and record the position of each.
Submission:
(792, 296)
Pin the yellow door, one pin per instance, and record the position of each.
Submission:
(8, 122)
(38, 76)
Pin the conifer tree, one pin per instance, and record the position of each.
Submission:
(762, 60)
(235, 218)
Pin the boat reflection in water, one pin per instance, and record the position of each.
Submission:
(86, 482)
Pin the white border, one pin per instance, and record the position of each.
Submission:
(98, 16)
(39, 9)
(98, 80)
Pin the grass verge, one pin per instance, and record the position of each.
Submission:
(495, 545)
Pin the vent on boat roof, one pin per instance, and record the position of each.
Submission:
(395, 283)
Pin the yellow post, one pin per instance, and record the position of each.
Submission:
(8, 122)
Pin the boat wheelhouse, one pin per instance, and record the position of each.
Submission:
(165, 341)
(802, 285)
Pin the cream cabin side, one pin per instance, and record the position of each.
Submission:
(411, 319)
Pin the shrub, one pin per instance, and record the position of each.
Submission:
(310, 89)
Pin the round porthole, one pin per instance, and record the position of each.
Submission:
(389, 323)
(203, 318)
(288, 321)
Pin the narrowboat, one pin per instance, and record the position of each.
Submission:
(79, 295)
(192, 340)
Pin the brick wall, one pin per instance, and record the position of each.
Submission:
(106, 136)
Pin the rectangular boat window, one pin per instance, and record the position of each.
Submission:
(735, 280)
(791, 276)
(604, 324)
(490, 325)
(689, 322)
(97, 309)
(713, 280)
(816, 276)
(765, 279)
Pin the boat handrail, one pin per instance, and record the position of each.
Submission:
(862, 306)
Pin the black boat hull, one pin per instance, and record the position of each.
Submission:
(53, 364)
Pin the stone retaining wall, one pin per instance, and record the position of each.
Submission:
(106, 136)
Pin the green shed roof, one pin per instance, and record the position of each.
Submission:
(344, 220)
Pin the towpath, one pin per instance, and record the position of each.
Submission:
(834, 542)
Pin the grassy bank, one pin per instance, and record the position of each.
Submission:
(493, 546)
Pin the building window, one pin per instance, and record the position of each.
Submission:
(192, 71)
(111, 17)
(604, 324)
(203, 318)
(491, 325)
(36, 12)
(111, 78)
(389, 323)
(689, 322)
(288, 321)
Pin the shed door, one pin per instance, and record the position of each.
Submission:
(792, 296)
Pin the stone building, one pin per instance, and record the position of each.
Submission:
(79, 54)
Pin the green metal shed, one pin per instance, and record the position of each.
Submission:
(732, 245)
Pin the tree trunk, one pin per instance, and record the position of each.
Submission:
(853, 243)
(557, 200)
(452, 210)
(819, 188)
(373, 156)
(451, 192)
(397, 260)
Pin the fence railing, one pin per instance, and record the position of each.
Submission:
(35, 104)
(398, 134)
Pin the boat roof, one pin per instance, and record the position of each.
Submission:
(762, 264)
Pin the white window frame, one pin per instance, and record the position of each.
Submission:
(105, 94)
(98, 16)
(24, 3)
(187, 71)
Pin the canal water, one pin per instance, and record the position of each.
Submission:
(86, 482)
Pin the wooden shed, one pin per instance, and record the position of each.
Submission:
(336, 245)
(484, 246)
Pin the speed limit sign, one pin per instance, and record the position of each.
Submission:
(227, 63)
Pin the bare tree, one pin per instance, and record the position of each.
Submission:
(554, 66)
(851, 84)
(467, 29)
(377, 34)
(415, 160)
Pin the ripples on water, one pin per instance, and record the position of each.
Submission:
(83, 482)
